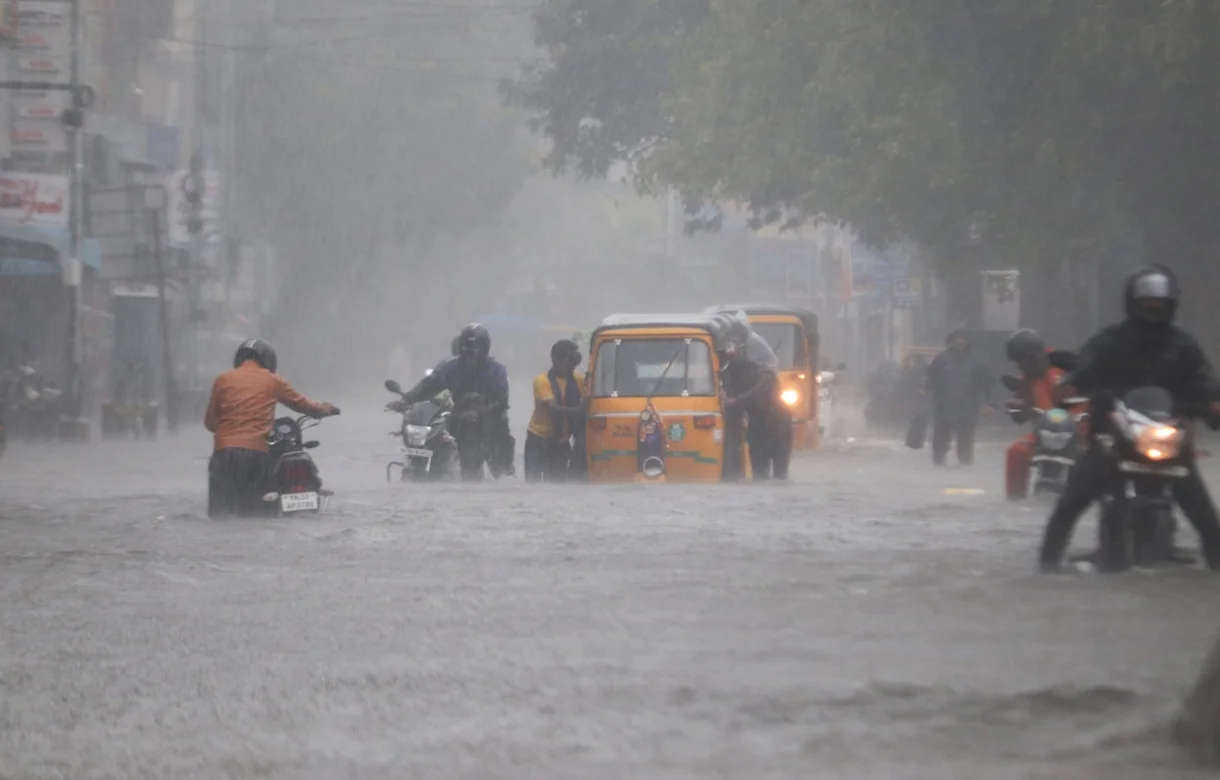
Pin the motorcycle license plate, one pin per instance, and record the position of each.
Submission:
(299, 502)
(412, 452)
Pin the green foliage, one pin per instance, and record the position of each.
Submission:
(597, 95)
(1030, 130)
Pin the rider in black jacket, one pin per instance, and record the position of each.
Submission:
(1145, 349)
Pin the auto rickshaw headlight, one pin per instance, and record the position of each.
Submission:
(653, 467)
(790, 397)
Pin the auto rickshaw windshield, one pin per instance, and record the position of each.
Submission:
(787, 340)
(653, 367)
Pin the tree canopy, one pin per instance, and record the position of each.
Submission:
(1034, 129)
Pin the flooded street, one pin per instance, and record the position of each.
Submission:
(860, 622)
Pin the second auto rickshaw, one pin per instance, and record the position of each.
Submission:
(793, 335)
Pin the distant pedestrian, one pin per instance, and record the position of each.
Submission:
(959, 386)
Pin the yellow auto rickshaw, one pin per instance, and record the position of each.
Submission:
(654, 400)
(793, 336)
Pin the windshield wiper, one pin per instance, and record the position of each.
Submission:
(668, 366)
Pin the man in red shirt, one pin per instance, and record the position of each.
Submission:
(240, 413)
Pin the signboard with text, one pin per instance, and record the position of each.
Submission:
(44, 52)
(34, 199)
(908, 293)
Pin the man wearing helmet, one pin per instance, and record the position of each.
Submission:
(1040, 379)
(1145, 349)
(473, 372)
(240, 412)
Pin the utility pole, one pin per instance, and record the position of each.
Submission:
(228, 234)
(154, 210)
(76, 156)
(195, 187)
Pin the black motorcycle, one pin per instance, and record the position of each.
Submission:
(430, 452)
(34, 405)
(295, 485)
(470, 427)
(1149, 451)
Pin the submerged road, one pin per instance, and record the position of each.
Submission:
(864, 621)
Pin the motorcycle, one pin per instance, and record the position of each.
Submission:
(1056, 442)
(1149, 451)
(34, 404)
(473, 440)
(430, 451)
(295, 485)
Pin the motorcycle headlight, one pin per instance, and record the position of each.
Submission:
(417, 435)
(790, 397)
(1158, 442)
(1053, 440)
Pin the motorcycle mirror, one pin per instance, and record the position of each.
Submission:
(393, 387)
(309, 445)
(1010, 382)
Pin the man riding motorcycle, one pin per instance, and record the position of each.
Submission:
(1029, 352)
(240, 413)
(473, 371)
(1145, 349)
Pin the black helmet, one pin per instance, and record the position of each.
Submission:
(474, 338)
(456, 346)
(257, 350)
(1024, 344)
(1152, 296)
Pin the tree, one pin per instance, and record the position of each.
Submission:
(597, 94)
(1029, 132)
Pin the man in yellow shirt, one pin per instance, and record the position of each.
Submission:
(558, 412)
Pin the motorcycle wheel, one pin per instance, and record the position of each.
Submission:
(417, 471)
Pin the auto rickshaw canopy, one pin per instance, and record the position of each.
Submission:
(715, 327)
(809, 320)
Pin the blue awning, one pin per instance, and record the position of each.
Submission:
(34, 250)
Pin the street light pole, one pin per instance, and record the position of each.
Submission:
(72, 273)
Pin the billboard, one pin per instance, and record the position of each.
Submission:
(36, 199)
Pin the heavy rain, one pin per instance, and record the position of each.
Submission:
(608, 388)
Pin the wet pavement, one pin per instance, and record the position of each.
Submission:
(874, 618)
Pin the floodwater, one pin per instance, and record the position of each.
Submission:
(859, 622)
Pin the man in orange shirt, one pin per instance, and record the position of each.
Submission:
(240, 413)
(1027, 349)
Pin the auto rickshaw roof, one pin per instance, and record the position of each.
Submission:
(715, 327)
(808, 319)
